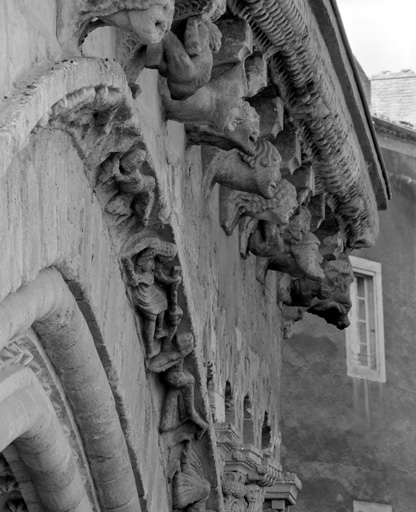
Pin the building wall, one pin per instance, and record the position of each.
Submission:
(393, 95)
(350, 439)
(54, 217)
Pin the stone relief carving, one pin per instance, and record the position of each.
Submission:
(147, 20)
(136, 188)
(178, 405)
(190, 489)
(187, 65)
(293, 250)
(277, 210)
(327, 299)
(257, 174)
(217, 114)
(155, 295)
(145, 259)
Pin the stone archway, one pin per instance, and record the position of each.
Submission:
(49, 306)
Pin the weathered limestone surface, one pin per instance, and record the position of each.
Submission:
(165, 312)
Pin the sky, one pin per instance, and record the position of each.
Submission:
(382, 33)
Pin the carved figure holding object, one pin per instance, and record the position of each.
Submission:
(180, 382)
(188, 65)
(146, 273)
(217, 113)
(136, 190)
(148, 20)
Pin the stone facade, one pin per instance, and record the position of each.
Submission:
(179, 183)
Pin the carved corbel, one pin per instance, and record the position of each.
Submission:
(258, 174)
(190, 490)
(327, 299)
(217, 114)
(186, 65)
(147, 21)
(278, 209)
(293, 250)
(136, 188)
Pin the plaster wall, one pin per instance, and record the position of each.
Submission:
(351, 439)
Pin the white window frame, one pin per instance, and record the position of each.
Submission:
(373, 269)
(365, 506)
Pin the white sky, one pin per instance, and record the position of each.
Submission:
(382, 33)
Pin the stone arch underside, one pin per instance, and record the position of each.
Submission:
(69, 233)
(28, 419)
(49, 306)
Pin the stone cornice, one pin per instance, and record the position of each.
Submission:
(314, 98)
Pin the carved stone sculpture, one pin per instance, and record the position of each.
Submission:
(278, 209)
(180, 382)
(188, 65)
(258, 174)
(145, 261)
(294, 251)
(147, 20)
(217, 114)
(327, 299)
(136, 189)
(190, 489)
(234, 490)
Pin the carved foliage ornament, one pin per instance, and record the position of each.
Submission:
(190, 489)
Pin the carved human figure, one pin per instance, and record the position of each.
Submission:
(217, 113)
(147, 274)
(188, 65)
(136, 189)
(180, 382)
(293, 250)
(148, 20)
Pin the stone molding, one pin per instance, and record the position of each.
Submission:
(40, 440)
(44, 303)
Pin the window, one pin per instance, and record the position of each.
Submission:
(365, 335)
(364, 506)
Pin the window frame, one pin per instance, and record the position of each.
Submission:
(372, 269)
(366, 506)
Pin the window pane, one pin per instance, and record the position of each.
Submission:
(360, 286)
(361, 309)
